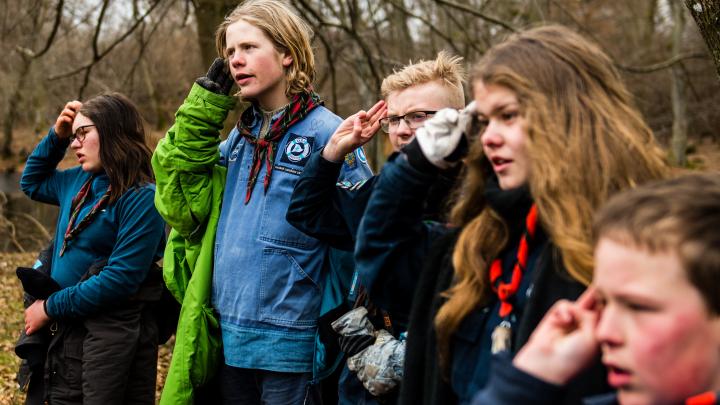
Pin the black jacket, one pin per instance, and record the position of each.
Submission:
(324, 209)
(332, 212)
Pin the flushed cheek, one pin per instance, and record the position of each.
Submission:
(680, 347)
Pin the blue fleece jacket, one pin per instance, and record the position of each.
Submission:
(128, 232)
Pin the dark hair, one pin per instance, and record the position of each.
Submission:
(124, 153)
(682, 216)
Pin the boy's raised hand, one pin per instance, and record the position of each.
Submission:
(357, 130)
(564, 342)
(64, 121)
(217, 79)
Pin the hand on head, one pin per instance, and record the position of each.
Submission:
(564, 342)
(63, 124)
(357, 130)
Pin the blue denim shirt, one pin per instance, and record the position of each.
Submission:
(267, 275)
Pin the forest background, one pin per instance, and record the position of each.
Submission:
(54, 51)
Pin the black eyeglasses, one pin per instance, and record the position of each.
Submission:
(414, 120)
(80, 133)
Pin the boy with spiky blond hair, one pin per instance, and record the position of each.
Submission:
(330, 209)
(411, 95)
(232, 253)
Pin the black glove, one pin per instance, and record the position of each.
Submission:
(354, 344)
(37, 283)
(217, 79)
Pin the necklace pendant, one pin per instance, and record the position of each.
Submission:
(501, 337)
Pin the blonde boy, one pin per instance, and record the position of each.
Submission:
(411, 95)
(232, 253)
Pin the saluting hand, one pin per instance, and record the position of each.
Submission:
(357, 130)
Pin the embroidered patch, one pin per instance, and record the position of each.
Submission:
(346, 185)
(361, 155)
(297, 150)
(350, 161)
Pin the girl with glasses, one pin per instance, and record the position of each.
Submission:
(103, 335)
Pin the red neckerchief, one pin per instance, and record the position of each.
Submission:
(707, 398)
(265, 148)
(76, 205)
(505, 291)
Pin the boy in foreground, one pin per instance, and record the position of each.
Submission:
(652, 310)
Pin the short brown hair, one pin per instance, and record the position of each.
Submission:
(446, 68)
(681, 215)
(289, 33)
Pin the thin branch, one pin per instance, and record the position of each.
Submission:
(661, 65)
(428, 23)
(476, 13)
(352, 31)
(98, 27)
(56, 25)
(470, 41)
(144, 42)
(33, 221)
(97, 57)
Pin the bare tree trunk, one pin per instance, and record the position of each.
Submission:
(706, 14)
(12, 108)
(208, 15)
(679, 92)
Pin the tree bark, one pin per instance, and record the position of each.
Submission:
(706, 14)
(208, 15)
(12, 109)
(679, 90)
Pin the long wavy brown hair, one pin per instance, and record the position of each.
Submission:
(124, 153)
(586, 141)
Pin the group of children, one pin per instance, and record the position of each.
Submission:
(531, 246)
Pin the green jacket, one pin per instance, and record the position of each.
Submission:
(189, 194)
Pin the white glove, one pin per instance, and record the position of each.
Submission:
(443, 138)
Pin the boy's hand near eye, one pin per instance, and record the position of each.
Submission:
(217, 79)
(564, 343)
(357, 130)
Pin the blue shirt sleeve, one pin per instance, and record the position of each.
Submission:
(41, 181)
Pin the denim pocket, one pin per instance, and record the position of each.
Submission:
(288, 295)
(274, 228)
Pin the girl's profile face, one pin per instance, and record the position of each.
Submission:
(503, 134)
(85, 142)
